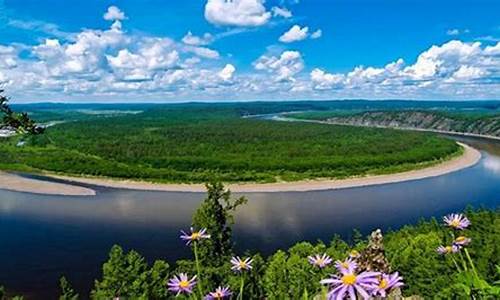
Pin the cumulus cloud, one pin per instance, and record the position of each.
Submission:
(203, 52)
(281, 12)
(283, 67)
(294, 34)
(324, 81)
(237, 12)
(191, 39)
(114, 14)
(317, 34)
(227, 72)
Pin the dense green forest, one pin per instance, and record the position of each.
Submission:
(471, 271)
(196, 142)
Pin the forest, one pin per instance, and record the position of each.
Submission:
(195, 142)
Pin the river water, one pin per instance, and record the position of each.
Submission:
(44, 237)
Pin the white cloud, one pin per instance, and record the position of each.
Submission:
(456, 31)
(281, 12)
(317, 34)
(114, 14)
(442, 61)
(193, 40)
(284, 67)
(322, 80)
(237, 12)
(203, 52)
(294, 34)
(227, 72)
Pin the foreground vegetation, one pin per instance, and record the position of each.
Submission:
(464, 268)
(195, 142)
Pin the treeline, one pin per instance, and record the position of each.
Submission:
(195, 144)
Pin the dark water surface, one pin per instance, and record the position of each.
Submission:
(44, 237)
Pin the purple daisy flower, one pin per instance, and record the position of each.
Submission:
(320, 261)
(386, 283)
(457, 221)
(240, 265)
(443, 250)
(194, 235)
(350, 283)
(346, 266)
(181, 284)
(220, 293)
(462, 241)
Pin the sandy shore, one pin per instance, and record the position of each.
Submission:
(17, 183)
(470, 157)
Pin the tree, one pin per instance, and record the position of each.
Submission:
(67, 292)
(19, 121)
(127, 275)
(215, 214)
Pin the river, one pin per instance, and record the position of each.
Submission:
(45, 237)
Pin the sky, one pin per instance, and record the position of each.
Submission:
(226, 50)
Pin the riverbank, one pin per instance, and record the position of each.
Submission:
(14, 182)
(469, 158)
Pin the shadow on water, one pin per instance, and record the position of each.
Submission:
(45, 237)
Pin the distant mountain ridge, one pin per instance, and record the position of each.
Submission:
(485, 125)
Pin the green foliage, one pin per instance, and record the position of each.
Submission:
(19, 121)
(215, 214)
(128, 275)
(67, 292)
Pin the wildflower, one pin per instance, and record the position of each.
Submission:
(354, 254)
(181, 284)
(462, 241)
(349, 265)
(386, 283)
(350, 283)
(220, 293)
(194, 235)
(447, 249)
(457, 221)
(320, 261)
(240, 265)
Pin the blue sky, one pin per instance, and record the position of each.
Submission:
(164, 50)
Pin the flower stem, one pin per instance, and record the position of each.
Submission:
(456, 265)
(323, 292)
(198, 270)
(471, 263)
(240, 296)
(463, 260)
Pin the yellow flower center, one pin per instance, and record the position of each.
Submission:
(354, 253)
(349, 279)
(320, 261)
(460, 239)
(448, 249)
(345, 265)
(383, 283)
(243, 264)
(195, 235)
(218, 295)
(455, 223)
(184, 284)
